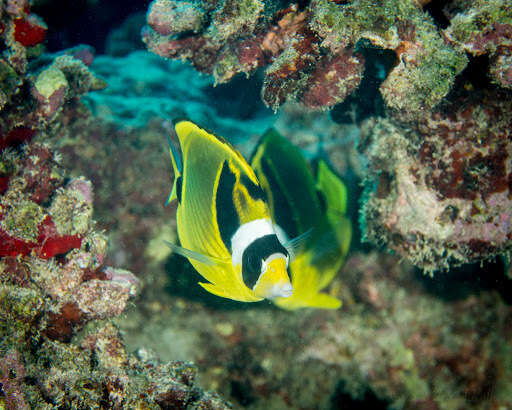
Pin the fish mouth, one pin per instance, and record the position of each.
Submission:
(284, 290)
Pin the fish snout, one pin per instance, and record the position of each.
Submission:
(274, 281)
(284, 290)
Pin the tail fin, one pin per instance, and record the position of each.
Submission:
(332, 188)
(176, 159)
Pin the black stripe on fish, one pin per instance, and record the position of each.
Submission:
(282, 213)
(254, 255)
(254, 190)
(179, 187)
(227, 216)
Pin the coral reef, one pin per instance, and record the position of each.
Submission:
(442, 195)
(58, 346)
(397, 339)
(310, 53)
(53, 283)
(437, 180)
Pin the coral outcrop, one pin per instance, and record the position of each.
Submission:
(483, 28)
(439, 193)
(58, 296)
(310, 52)
(226, 38)
(54, 283)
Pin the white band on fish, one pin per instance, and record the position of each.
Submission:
(247, 234)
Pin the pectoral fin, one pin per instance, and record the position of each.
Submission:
(293, 245)
(189, 254)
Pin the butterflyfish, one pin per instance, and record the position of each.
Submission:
(224, 223)
(248, 229)
(304, 204)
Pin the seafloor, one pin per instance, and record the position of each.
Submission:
(409, 101)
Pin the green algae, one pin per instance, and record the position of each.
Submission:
(344, 23)
(19, 310)
(427, 79)
(482, 15)
(234, 16)
(425, 76)
(50, 81)
(22, 219)
(70, 212)
(225, 67)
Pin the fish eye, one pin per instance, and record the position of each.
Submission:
(263, 266)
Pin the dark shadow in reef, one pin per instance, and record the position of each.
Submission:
(435, 9)
(84, 22)
(459, 283)
(343, 401)
(472, 80)
(366, 100)
(184, 284)
(240, 97)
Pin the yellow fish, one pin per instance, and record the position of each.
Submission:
(235, 221)
(308, 208)
(224, 223)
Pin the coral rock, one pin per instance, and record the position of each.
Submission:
(169, 18)
(12, 373)
(308, 52)
(440, 195)
(49, 90)
(16, 136)
(484, 28)
(333, 80)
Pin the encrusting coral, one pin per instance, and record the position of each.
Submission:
(438, 191)
(310, 52)
(58, 346)
(53, 283)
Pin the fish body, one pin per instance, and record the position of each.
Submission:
(224, 223)
(308, 205)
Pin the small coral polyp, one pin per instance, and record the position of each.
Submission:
(443, 195)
